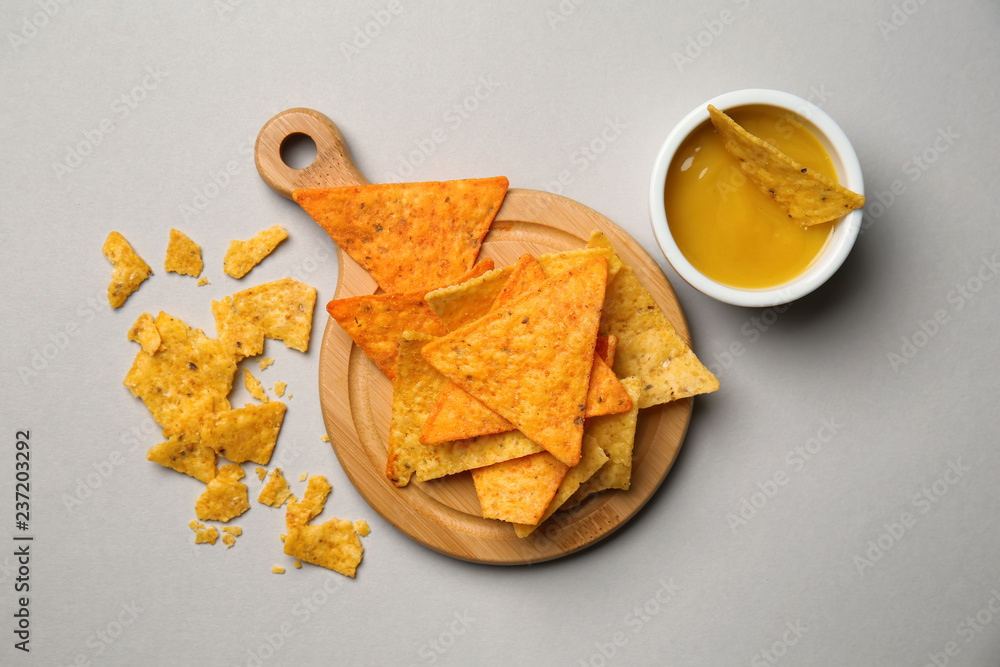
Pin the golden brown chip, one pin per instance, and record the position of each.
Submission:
(253, 386)
(265, 362)
(615, 434)
(186, 379)
(460, 304)
(414, 393)
(590, 462)
(531, 361)
(185, 454)
(283, 309)
(228, 540)
(243, 336)
(809, 198)
(244, 255)
(649, 347)
(377, 322)
(276, 491)
(183, 255)
(277, 569)
(204, 535)
(245, 434)
(129, 269)
(299, 513)
(334, 545)
(519, 490)
(279, 389)
(145, 333)
(225, 497)
(454, 456)
(457, 415)
(235, 531)
(409, 236)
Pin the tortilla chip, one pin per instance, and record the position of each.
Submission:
(519, 490)
(276, 491)
(187, 378)
(458, 415)
(265, 362)
(299, 513)
(129, 269)
(414, 392)
(455, 456)
(605, 349)
(279, 389)
(531, 361)
(409, 236)
(282, 308)
(243, 336)
(225, 497)
(245, 434)
(649, 347)
(187, 455)
(616, 436)
(145, 333)
(334, 545)
(461, 304)
(590, 462)
(244, 255)
(183, 255)
(376, 322)
(809, 198)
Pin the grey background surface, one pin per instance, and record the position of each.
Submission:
(835, 503)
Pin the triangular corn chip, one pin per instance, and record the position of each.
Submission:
(519, 490)
(808, 197)
(244, 255)
(648, 345)
(376, 322)
(129, 269)
(409, 236)
(531, 361)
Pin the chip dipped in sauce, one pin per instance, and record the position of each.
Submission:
(727, 227)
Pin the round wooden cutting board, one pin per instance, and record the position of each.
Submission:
(356, 398)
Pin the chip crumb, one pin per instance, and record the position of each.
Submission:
(362, 528)
(253, 385)
(203, 281)
(244, 255)
(228, 540)
(236, 531)
(324, 438)
(276, 491)
(129, 269)
(303, 477)
(183, 255)
(277, 569)
(279, 389)
(264, 362)
(297, 564)
(261, 473)
(204, 535)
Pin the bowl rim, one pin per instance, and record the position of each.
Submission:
(844, 159)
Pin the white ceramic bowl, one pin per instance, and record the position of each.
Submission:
(845, 160)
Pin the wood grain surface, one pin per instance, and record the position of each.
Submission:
(356, 398)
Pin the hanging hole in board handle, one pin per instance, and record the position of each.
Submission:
(332, 166)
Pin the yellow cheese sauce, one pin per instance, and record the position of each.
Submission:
(726, 227)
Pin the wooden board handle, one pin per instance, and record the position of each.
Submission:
(333, 166)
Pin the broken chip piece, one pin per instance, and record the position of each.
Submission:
(129, 269)
(225, 497)
(184, 454)
(245, 434)
(183, 255)
(275, 492)
(283, 309)
(244, 255)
